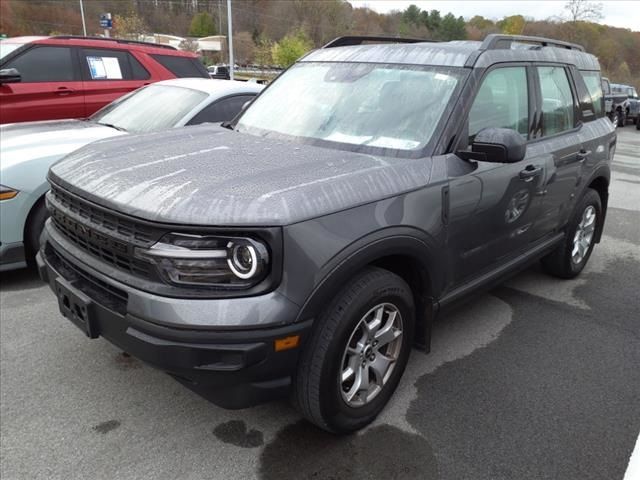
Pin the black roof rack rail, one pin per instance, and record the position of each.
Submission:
(497, 41)
(117, 40)
(359, 40)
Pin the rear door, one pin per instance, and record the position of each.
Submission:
(559, 141)
(50, 86)
(108, 74)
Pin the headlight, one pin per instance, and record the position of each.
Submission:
(7, 193)
(208, 261)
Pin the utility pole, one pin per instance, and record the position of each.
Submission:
(230, 39)
(84, 25)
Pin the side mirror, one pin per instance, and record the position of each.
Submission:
(497, 145)
(9, 75)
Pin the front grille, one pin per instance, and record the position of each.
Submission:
(97, 217)
(103, 235)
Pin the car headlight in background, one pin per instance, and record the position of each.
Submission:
(7, 193)
(208, 261)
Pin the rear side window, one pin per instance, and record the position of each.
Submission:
(501, 102)
(103, 64)
(221, 111)
(593, 81)
(182, 66)
(558, 106)
(44, 64)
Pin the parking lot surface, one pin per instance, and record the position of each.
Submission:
(538, 379)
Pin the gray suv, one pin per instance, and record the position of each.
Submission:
(307, 246)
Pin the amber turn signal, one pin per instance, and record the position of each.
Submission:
(7, 193)
(287, 343)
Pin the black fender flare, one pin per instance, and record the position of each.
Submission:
(602, 171)
(393, 241)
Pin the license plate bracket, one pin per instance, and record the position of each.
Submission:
(77, 307)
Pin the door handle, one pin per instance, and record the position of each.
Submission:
(62, 91)
(583, 155)
(530, 172)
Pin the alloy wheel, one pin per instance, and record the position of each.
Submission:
(584, 234)
(371, 354)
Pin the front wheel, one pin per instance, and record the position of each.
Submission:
(35, 224)
(568, 260)
(359, 349)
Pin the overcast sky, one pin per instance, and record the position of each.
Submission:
(625, 14)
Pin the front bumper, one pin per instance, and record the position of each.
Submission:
(12, 256)
(232, 368)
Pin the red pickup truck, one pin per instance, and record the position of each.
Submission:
(47, 78)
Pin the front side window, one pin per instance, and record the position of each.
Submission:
(594, 84)
(558, 106)
(502, 102)
(44, 64)
(156, 107)
(379, 108)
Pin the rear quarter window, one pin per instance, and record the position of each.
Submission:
(182, 66)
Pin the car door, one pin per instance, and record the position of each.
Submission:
(222, 110)
(559, 144)
(108, 74)
(493, 206)
(50, 86)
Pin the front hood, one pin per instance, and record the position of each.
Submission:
(51, 140)
(208, 175)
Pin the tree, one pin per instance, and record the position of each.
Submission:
(189, 45)
(129, 26)
(290, 48)
(262, 52)
(243, 47)
(452, 28)
(513, 25)
(583, 10)
(202, 25)
(411, 15)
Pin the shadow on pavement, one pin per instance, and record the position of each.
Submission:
(23, 279)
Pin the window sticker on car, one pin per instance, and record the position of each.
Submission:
(104, 68)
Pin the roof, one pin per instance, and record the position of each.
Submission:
(102, 42)
(220, 88)
(454, 54)
(621, 85)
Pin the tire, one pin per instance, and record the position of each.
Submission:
(319, 391)
(638, 124)
(567, 261)
(35, 224)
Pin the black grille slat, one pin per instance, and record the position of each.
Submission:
(106, 237)
(105, 294)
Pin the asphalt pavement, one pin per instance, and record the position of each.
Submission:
(538, 379)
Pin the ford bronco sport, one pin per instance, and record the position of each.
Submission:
(307, 246)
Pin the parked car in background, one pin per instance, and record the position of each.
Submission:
(29, 149)
(614, 103)
(631, 104)
(47, 78)
(220, 72)
(304, 251)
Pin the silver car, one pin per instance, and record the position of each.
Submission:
(27, 150)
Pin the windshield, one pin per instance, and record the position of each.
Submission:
(151, 108)
(370, 106)
(7, 48)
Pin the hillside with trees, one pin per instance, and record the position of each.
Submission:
(278, 31)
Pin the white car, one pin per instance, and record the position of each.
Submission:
(27, 150)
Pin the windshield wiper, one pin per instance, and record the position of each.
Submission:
(120, 129)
